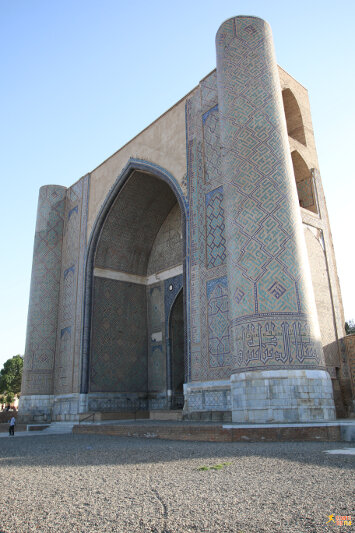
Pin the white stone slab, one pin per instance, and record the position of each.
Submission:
(344, 451)
(139, 280)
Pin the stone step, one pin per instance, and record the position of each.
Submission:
(59, 427)
(212, 432)
(155, 414)
(165, 414)
(99, 416)
(36, 427)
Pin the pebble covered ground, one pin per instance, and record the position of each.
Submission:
(91, 483)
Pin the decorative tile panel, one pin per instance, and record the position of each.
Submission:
(216, 243)
(273, 320)
(44, 293)
(68, 354)
(218, 322)
(212, 150)
(119, 337)
(207, 232)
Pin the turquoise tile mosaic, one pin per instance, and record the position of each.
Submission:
(272, 320)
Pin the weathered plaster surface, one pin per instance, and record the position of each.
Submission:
(163, 143)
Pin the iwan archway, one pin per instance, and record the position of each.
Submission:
(134, 284)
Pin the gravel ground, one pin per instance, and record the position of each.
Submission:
(91, 483)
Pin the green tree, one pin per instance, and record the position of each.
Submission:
(10, 397)
(350, 327)
(11, 376)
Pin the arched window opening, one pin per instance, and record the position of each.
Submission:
(293, 115)
(304, 182)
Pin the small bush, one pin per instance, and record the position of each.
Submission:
(214, 467)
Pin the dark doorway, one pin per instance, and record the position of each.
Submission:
(177, 344)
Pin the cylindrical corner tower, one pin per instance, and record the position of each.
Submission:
(37, 381)
(279, 372)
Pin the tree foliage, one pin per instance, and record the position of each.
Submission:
(11, 376)
(350, 327)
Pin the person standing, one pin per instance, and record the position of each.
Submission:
(12, 426)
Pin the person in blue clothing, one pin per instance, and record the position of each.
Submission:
(12, 426)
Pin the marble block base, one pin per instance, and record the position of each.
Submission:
(35, 408)
(282, 396)
(207, 396)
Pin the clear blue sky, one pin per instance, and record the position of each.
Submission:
(80, 78)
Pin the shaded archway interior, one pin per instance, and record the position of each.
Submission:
(177, 345)
(304, 182)
(294, 121)
(138, 254)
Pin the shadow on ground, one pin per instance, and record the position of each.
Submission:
(84, 450)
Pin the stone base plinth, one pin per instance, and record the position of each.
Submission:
(35, 408)
(207, 400)
(70, 407)
(282, 396)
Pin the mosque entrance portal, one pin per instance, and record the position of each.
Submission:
(137, 314)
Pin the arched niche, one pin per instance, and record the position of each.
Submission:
(176, 352)
(137, 246)
(294, 121)
(304, 182)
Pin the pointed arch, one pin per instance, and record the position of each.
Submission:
(96, 253)
(175, 353)
(295, 127)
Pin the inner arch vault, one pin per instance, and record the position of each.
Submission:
(135, 267)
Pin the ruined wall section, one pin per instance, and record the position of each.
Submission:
(321, 256)
(350, 346)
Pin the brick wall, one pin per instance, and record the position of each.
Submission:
(214, 433)
(350, 348)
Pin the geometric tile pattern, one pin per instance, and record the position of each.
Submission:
(273, 291)
(119, 337)
(207, 247)
(209, 400)
(218, 322)
(248, 305)
(172, 288)
(212, 152)
(156, 343)
(216, 399)
(61, 374)
(195, 237)
(216, 249)
(123, 225)
(55, 311)
(167, 250)
(67, 362)
(263, 231)
(44, 293)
